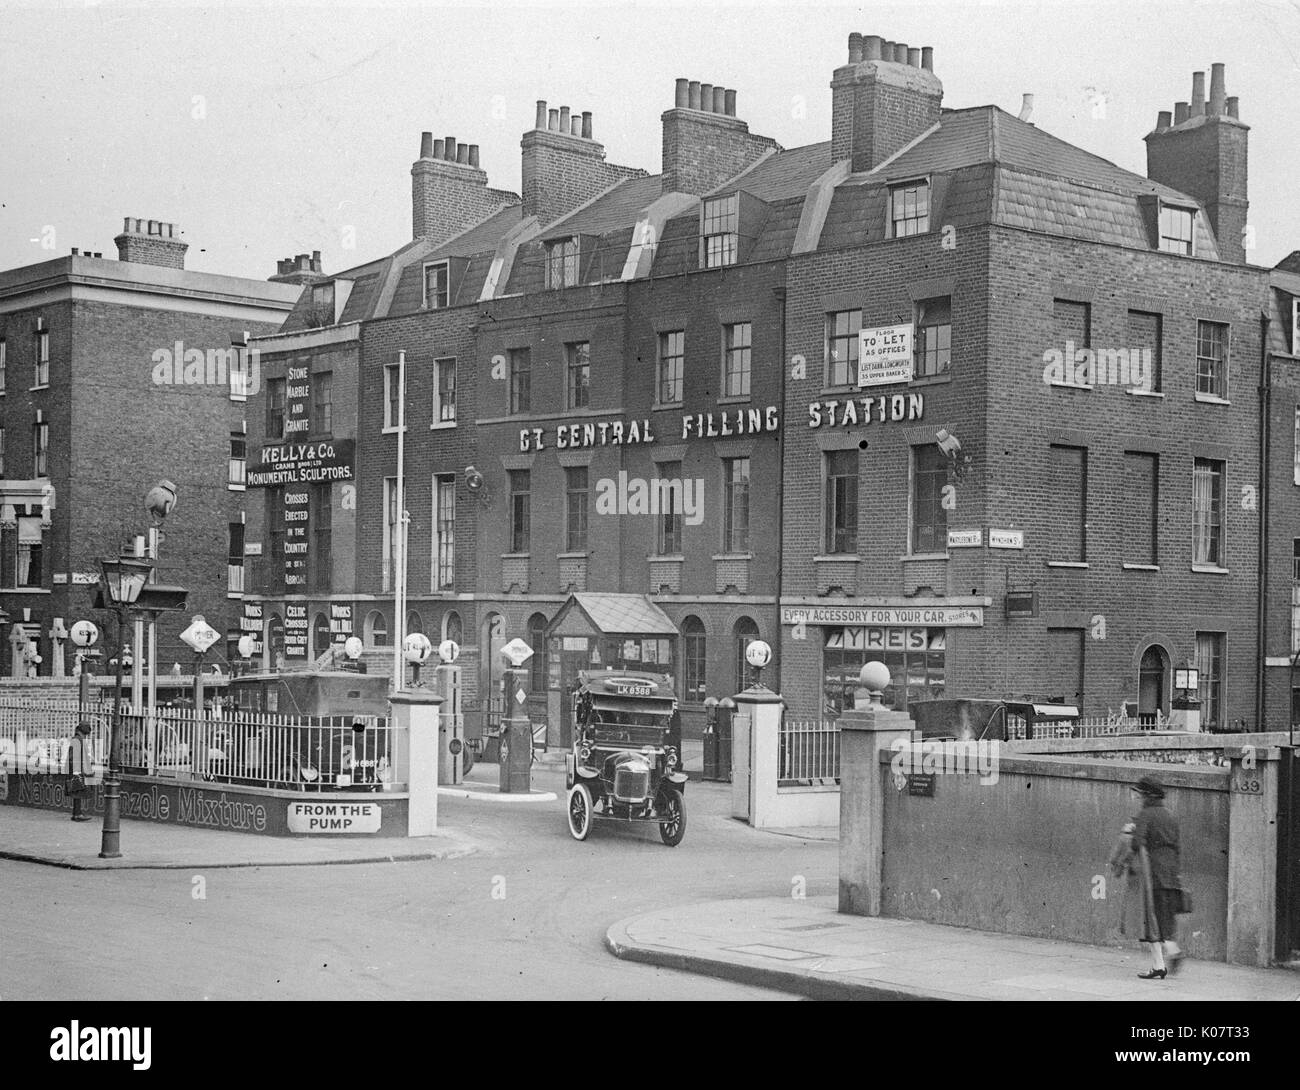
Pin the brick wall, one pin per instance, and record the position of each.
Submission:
(878, 108)
(561, 172)
(702, 150)
(1208, 162)
(447, 198)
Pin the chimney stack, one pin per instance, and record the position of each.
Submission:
(1204, 154)
(151, 242)
(299, 269)
(449, 190)
(704, 142)
(882, 99)
(563, 165)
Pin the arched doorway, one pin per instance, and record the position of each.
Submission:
(414, 623)
(272, 644)
(1153, 683)
(376, 630)
(452, 629)
(320, 639)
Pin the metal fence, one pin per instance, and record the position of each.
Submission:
(254, 749)
(809, 753)
(1084, 727)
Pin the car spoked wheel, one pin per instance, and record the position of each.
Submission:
(579, 811)
(672, 813)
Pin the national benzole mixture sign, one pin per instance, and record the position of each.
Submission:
(303, 463)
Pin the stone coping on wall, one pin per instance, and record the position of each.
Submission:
(1203, 778)
(1269, 740)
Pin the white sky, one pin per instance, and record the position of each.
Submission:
(269, 129)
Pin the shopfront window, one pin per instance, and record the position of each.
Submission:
(651, 654)
(914, 656)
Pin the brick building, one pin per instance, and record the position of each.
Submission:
(115, 375)
(1031, 449)
(938, 367)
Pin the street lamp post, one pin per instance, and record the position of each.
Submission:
(122, 581)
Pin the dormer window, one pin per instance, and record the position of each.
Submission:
(562, 263)
(909, 209)
(721, 231)
(1176, 230)
(437, 286)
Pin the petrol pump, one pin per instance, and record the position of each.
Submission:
(451, 725)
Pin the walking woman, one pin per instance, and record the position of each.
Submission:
(1156, 858)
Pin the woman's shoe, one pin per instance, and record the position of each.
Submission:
(1153, 974)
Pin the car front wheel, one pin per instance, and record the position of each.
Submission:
(579, 811)
(672, 817)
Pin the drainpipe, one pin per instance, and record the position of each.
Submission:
(780, 293)
(1265, 410)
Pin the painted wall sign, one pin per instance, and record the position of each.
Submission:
(334, 817)
(340, 622)
(613, 433)
(303, 463)
(939, 616)
(737, 422)
(864, 410)
(885, 355)
(965, 539)
(1006, 539)
(875, 638)
(297, 512)
(251, 623)
(297, 394)
(295, 630)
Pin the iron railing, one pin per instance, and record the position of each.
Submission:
(809, 753)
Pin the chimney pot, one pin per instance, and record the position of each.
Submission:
(126, 223)
(473, 155)
(1180, 112)
(900, 52)
(552, 120)
(1230, 103)
(682, 94)
(315, 261)
(914, 57)
(540, 122)
(1217, 92)
(462, 154)
(729, 104)
(719, 100)
(1026, 107)
(886, 50)
(706, 97)
(586, 121)
(75, 252)
(564, 119)
(927, 58)
(693, 94)
(855, 48)
(1163, 120)
(871, 45)
(449, 148)
(438, 152)
(1198, 94)
(426, 145)
(575, 125)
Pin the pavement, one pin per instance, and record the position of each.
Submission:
(50, 837)
(807, 947)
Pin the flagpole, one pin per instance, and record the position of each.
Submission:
(399, 529)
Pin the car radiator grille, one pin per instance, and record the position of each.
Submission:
(631, 786)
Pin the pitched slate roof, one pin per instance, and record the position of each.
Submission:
(1000, 169)
(633, 614)
(1285, 286)
(616, 208)
(784, 175)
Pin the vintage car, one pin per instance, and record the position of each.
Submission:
(625, 763)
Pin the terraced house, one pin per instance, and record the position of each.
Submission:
(943, 390)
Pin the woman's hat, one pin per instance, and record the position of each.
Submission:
(1149, 788)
